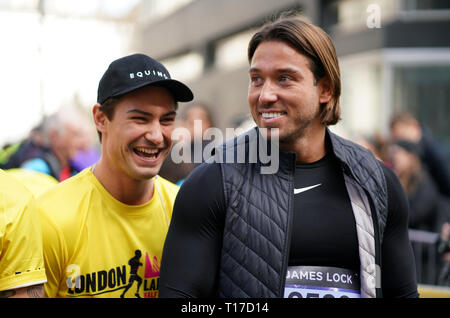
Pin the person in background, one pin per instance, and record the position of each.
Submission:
(22, 272)
(426, 203)
(428, 208)
(94, 222)
(197, 111)
(88, 153)
(378, 145)
(404, 126)
(242, 123)
(64, 137)
(13, 156)
(196, 118)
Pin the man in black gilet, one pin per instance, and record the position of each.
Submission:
(329, 222)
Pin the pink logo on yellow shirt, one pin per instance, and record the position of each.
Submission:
(152, 269)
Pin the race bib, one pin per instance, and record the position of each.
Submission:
(321, 282)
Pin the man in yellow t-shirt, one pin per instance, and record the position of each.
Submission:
(104, 229)
(22, 271)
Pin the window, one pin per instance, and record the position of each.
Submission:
(184, 67)
(232, 51)
(426, 4)
(425, 91)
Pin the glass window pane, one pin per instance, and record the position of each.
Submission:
(425, 91)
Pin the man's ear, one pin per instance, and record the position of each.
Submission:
(100, 118)
(325, 93)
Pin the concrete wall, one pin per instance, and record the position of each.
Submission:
(199, 25)
(203, 21)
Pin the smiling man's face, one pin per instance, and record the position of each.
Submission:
(282, 92)
(138, 137)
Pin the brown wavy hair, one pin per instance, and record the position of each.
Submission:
(317, 46)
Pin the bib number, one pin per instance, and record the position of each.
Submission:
(321, 282)
(293, 291)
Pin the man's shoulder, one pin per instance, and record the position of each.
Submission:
(13, 188)
(15, 196)
(168, 189)
(202, 193)
(63, 200)
(357, 157)
(340, 142)
(167, 185)
(209, 170)
(394, 187)
(78, 182)
(207, 177)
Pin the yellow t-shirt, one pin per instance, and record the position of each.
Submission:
(21, 260)
(36, 182)
(96, 246)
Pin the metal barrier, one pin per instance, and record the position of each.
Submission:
(431, 291)
(428, 264)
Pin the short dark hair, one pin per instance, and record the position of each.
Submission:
(108, 108)
(316, 45)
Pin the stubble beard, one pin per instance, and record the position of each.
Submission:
(288, 141)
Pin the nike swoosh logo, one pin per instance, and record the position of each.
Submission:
(297, 191)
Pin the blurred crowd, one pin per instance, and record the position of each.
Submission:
(421, 166)
(60, 146)
(65, 143)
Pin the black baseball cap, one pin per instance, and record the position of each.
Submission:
(134, 71)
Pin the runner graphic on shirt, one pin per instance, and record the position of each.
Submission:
(134, 263)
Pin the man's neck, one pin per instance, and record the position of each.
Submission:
(123, 188)
(309, 147)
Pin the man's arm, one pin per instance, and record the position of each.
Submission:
(398, 271)
(192, 249)
(36, 291)
(21, 260)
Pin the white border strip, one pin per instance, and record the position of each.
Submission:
(28, 284)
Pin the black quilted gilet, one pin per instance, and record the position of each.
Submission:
(257, 235)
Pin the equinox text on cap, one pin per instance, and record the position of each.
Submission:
(148, 73)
